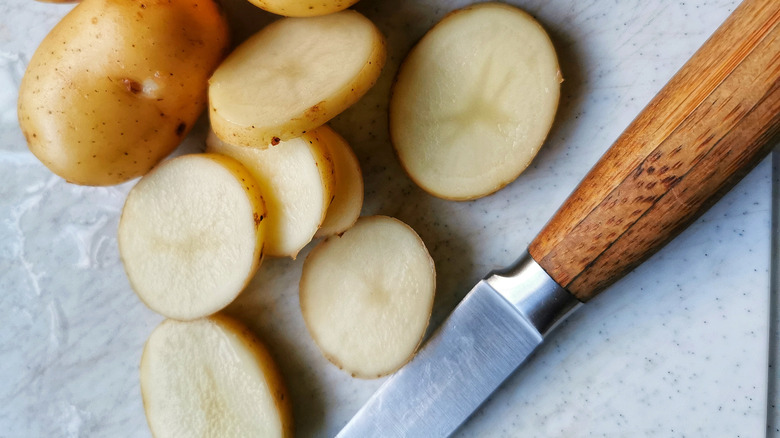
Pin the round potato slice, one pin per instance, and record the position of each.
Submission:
(191, 235)
(293, 76)
(303, 8)
(297, 181)
(474, 100)
(211, 378)
(348, 193)
(367, 295)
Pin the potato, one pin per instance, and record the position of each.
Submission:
(303, 8)
(212, 378)
(366, 296)
(474, 100)
(297, 181)
(191, 235)
(348, 184)
(116, 85)
(293, 76)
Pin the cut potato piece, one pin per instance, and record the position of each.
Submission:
(212, 378)
(297, 178)
(367, 295)
(191, 235)
(303, 8)
(474, 101)
(348, 193)
(293, 76)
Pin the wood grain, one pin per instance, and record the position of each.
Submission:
(706, 129)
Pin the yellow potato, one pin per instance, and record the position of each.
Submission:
(303, 8)
(347, 202)
(474, 100)
(366, 296)
(297, 180)
(116, 85)
(293, 76)
(192, 234)
(212, 378)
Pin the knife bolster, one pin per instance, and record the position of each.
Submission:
(541, 300)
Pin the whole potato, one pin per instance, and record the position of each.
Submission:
(303, 8)
(117, 84)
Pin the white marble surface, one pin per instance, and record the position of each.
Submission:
(677, 348)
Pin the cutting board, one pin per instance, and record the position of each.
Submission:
(676, 348)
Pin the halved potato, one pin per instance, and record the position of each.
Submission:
(366, 296)
(293, 76)
(348, 193)
(191, 235)
(211, 378)
(303, 8)
(297, 181)
(474, 100)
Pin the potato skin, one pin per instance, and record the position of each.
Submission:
(303, 8)
(117, 84)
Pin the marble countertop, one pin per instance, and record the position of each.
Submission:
(676, 348)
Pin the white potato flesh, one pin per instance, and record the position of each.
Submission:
(302, 8)
(366, 296)
(191, 235)
(474, 101)
(296, 178)
(348, 184)
(293, 76)
(211, 378)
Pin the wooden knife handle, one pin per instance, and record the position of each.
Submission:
(706, 129)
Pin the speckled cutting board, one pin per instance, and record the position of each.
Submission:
(677, 348)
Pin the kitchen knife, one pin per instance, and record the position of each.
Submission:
(706, 129)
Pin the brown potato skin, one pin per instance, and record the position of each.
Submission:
(85, 104)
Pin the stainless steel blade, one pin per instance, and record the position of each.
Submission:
(488, 335)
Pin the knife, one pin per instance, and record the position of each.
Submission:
(704, 131)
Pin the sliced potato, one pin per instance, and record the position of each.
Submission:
(303, 8)
(348, 192)
(474, 100)
(297, 181)
(293, 76)
(191, 235)
(366, 296)
(212, 378)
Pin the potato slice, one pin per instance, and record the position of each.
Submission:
(474, 100)
(211, 378)
(303, 8)
(293, 76)
(191, 235)
(348, 193)
(367, 295)
(297, 181)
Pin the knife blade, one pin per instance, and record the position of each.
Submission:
(706, 129)
(467, 359)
